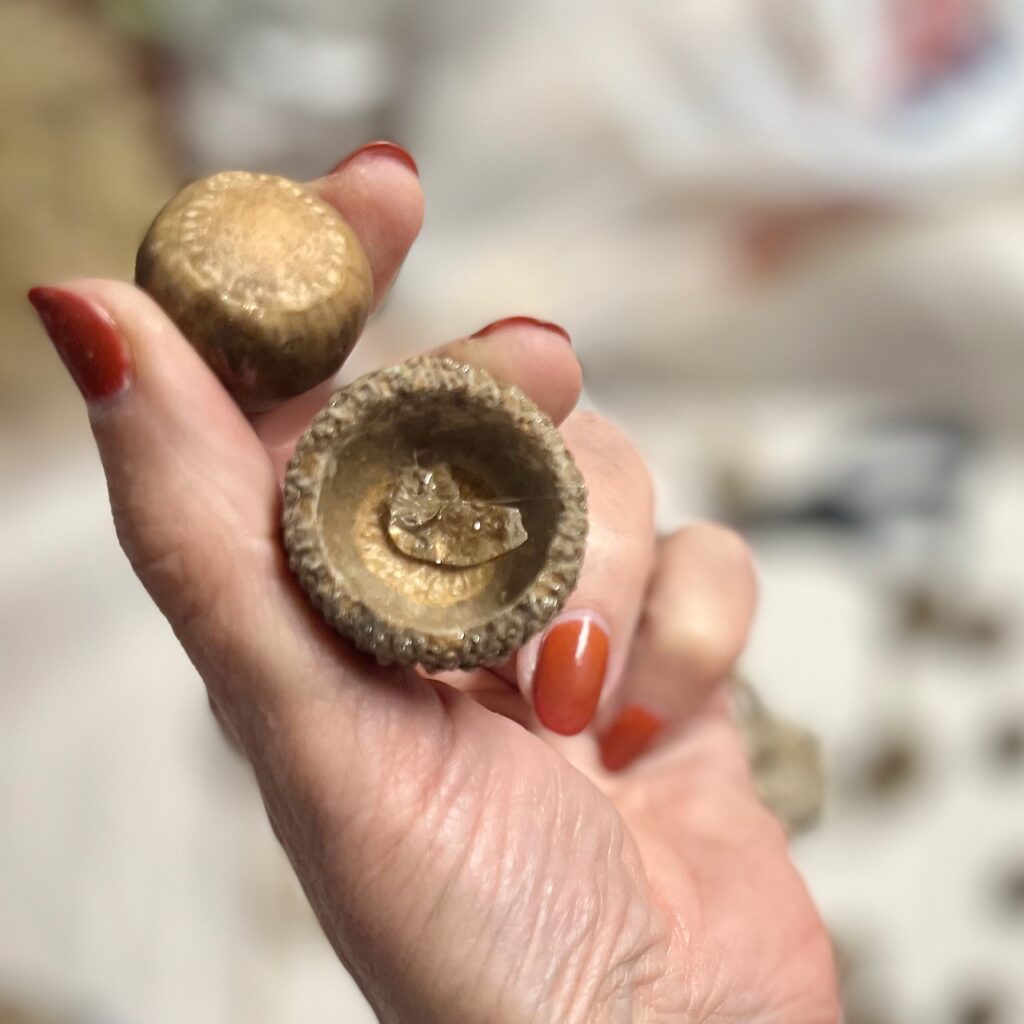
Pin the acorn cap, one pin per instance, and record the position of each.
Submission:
(265, 279)
(346, 489)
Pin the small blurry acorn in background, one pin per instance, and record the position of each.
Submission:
(266, 280)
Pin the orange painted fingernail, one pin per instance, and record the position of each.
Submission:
(630, 735)
(569, 675)
(521, 321)
(381, 148)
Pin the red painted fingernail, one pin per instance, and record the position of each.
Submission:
(87, 340)
(521, 321)
(381, 148)
(569, 675)
(630, 735)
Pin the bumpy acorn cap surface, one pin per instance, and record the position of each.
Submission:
(263, 277)
(339, 500)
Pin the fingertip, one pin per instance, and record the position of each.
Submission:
(719, 557)
(377, 190)
(534, 355)
(529, 354)
(173, 392)
(88, 342)
(135, 311)
(164, 357)
(699, 611)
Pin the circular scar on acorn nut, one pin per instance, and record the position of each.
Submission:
(434, 516)
(266, 280)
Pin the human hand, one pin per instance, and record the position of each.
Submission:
(466, 863)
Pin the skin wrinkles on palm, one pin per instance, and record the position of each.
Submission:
(464, 864)
(546, 868)
(497, 817)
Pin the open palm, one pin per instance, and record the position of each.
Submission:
(465, 863)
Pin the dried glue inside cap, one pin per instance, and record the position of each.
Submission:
(264, 278)
(434, 516)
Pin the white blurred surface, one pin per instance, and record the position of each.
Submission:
(140, 879)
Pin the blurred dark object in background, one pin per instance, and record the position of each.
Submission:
(1006, 745)
(865, 478)
(785, 760)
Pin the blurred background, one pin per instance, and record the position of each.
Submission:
(787, 237)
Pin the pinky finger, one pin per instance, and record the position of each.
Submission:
(695, 624)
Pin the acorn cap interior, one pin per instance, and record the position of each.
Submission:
(509, 469)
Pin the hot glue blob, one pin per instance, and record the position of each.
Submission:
(432, 521)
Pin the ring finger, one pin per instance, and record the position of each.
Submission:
(577, 663)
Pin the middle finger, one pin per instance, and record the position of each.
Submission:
(532, 355)
(576, 664)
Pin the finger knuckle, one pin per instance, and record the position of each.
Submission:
(185, 586)
(701, 648)
(188, 591)
(728, 548)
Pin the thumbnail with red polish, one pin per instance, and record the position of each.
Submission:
(570, 674)
(86, 339)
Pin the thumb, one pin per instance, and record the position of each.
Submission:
(189, 483)
(193, 494)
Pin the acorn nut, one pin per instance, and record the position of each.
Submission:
(265, 279)
(434, 516)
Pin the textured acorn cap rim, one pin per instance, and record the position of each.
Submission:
(504, 632)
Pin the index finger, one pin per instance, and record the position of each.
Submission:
(377, 190)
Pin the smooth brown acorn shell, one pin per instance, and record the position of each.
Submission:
(495, 440)
(266, 280)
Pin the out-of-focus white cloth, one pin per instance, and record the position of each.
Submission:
(791, 101)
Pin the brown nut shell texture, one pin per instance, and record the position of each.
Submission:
(266, 280)
(434, 516)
